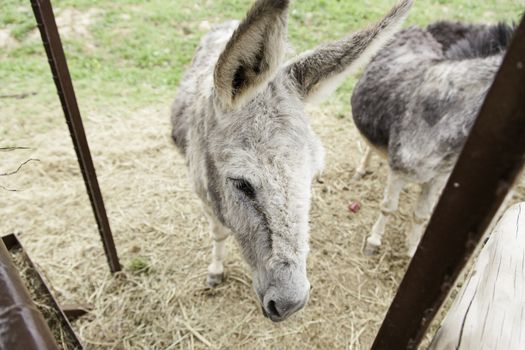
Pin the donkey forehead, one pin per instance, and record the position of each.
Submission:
(271, 126)
(275, 104)
(274, 150)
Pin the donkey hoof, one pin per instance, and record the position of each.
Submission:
(371, 248)
(214, 279)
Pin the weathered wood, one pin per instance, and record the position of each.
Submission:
(489, 311)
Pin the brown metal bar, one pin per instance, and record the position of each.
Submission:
(489, 164)
(12, 243)
(57, 60)
(73, 311)
(22, 326)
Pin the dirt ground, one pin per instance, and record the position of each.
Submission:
(160, 301)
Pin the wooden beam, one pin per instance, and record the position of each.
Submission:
(488, 312)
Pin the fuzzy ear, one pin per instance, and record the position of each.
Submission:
(253, 54)
(317, 73)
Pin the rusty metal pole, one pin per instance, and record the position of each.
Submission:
(57, 61)
(22, 326)
(43, 291)
(489, 164)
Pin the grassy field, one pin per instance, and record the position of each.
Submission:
(133, 52)
(126, 58)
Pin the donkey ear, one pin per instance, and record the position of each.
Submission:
(316, 74)
(253, 54)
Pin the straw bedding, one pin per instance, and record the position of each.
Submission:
(160, 300)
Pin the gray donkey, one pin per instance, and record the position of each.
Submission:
(239, 120)
(416, 103)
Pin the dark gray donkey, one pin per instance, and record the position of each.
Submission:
(239, 120)
(415, 105)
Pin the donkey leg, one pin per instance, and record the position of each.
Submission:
(424, 205)
(363, 164)
(394, 186)
(219, 234)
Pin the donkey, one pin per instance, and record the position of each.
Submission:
(239, 120)
(415, 105)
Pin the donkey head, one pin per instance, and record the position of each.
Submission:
(262, 154)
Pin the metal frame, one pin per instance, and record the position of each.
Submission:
(22, 325)
(66, 313)
(490, 162)
(57, 61)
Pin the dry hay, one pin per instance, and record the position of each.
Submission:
(160, 301)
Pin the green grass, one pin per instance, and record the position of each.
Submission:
(139, 265)
(138, 49)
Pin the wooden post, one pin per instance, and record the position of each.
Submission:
(489, 310)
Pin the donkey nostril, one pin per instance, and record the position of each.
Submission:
(272, 308)
(281, 309)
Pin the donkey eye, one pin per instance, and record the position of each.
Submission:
(245, 187)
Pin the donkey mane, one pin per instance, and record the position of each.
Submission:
(491, 41)
(448, 33)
